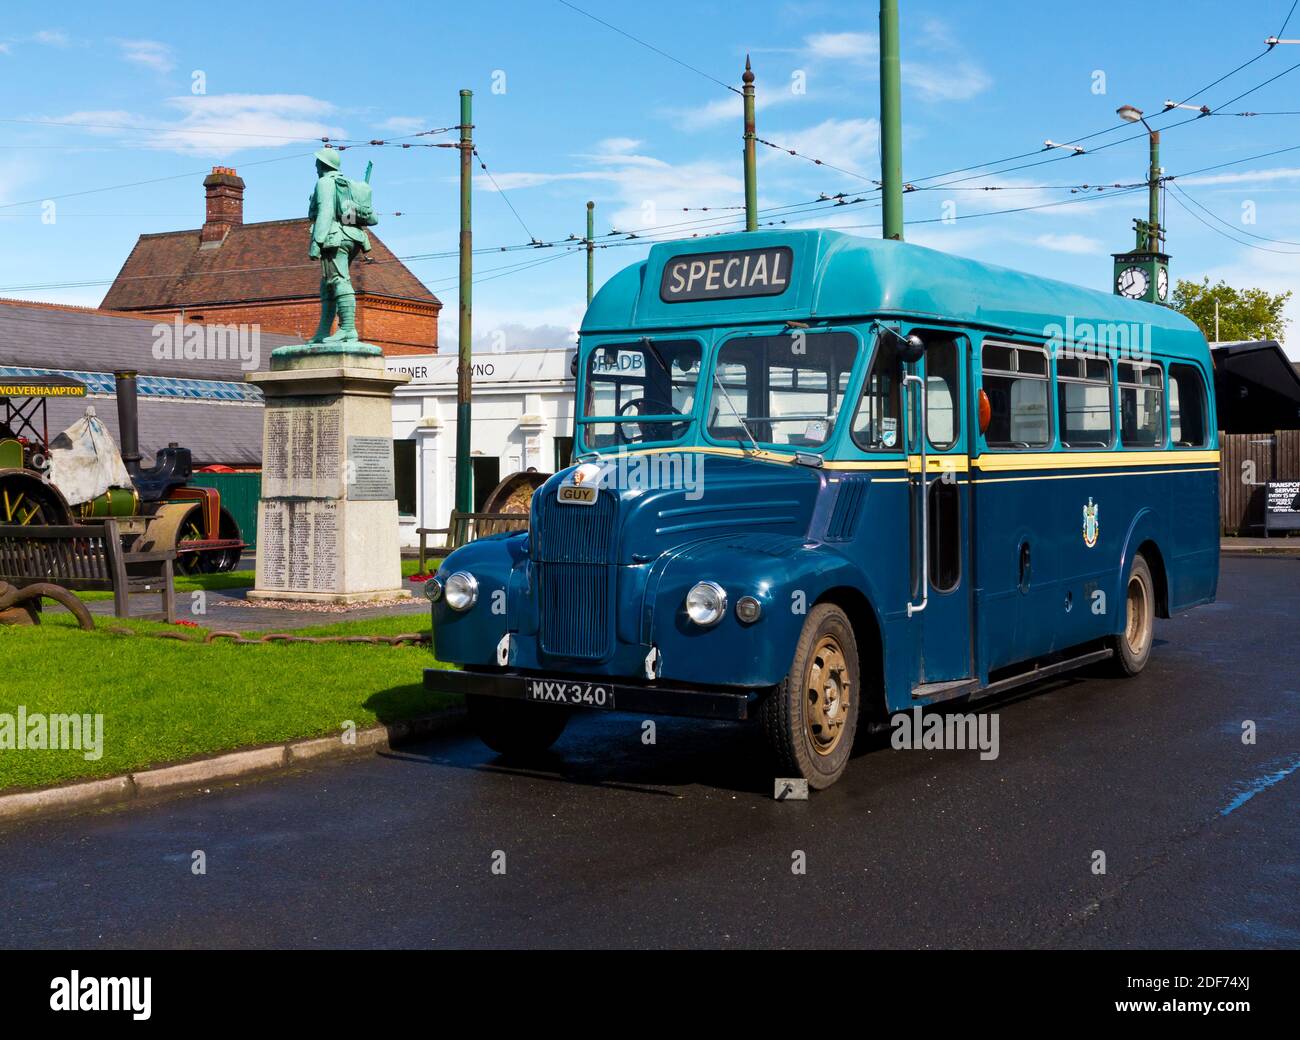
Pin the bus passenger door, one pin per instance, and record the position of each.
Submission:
(938, 467)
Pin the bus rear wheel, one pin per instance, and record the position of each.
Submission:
(1133, 644)
(810, 720)
(515, 728)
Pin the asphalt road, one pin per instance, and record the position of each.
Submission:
(611, 842)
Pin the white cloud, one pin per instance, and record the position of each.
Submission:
(220, 124)
(843, 46)
(950, 79)
(618, 145)
(405, 124)
(1072, 243)
(730, 109)
(100, 122)
(530, 328)
(1280, 173)
(52, 37)
(851, 144)
(959, 81)
(149, 53)
(5, 48)
(639, 191)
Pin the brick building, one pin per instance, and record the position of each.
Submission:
(228, 272)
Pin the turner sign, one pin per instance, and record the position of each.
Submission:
(727, 276)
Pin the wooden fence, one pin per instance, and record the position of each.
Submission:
(1248, 462)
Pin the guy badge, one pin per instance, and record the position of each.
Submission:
(1090, 526)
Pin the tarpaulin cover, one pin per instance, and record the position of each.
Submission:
(84, 461)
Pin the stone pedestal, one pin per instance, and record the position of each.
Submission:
(327, 520)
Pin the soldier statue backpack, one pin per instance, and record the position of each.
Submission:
(356, 202)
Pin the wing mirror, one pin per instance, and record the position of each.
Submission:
(911, 348)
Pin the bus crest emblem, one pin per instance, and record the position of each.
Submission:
(1090, 525)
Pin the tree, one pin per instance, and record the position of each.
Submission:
(1243, 313)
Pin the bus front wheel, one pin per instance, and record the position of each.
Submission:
(810, 719)
(515, 728)
(1133, 644)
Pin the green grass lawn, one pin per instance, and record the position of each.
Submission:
(243, 580)
(165, 701)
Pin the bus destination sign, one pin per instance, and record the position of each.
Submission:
(730, 275)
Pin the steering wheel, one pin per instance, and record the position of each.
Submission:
(644, 406)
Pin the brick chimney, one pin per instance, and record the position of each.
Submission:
(225, 199)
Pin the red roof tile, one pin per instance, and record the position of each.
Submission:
(263, 261)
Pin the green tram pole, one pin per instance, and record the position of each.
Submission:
(1153, 202)
(751, 173)
(464, 386)
(591, 251)
(891, 124)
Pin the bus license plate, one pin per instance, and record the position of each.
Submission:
(574, 694)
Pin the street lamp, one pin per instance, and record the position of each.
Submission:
(1131, 114)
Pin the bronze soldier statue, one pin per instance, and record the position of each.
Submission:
(335, 240)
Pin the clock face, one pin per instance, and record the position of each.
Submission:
(1162, 284)
(1133, 282)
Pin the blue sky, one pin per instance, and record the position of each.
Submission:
(569, 110)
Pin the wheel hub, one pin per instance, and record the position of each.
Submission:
(1135, 633)
(828, 696)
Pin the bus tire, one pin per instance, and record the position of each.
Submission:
(515, 728)
(810, 720)
(1133, 645)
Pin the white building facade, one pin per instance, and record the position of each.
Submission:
(521, 419)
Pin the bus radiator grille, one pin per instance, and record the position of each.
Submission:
(575, 609)
(574, 547)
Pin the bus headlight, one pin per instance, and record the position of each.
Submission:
(706, 603)
(461, 591)
(748, 609)
(433, 590)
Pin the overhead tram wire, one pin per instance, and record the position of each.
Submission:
(649, 46)
(214, 132)
(1232, 238)
(1121, 125)
(197, 173)
(504, 197)
(1180, 191)
(650, 235)
(647, 236)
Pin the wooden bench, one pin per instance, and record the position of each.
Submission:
(457, 532)
(87, 558)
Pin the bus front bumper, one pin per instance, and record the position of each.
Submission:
(576, 691)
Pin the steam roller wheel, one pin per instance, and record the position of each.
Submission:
(211, 561)
(26, 499)
(175, 523)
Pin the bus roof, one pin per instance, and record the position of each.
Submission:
(837, 276)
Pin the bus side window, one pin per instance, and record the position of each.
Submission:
(1187, 424)
(942, 390)
(1141, 405)
(876, 426)
(1016, 381)
(1084, 402)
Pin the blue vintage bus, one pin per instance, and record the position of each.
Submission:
(822, 479)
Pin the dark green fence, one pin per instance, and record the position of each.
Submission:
(239, 494)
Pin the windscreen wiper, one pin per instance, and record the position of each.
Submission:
(734, 411)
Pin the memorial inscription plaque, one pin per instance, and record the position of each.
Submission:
(370, 461)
